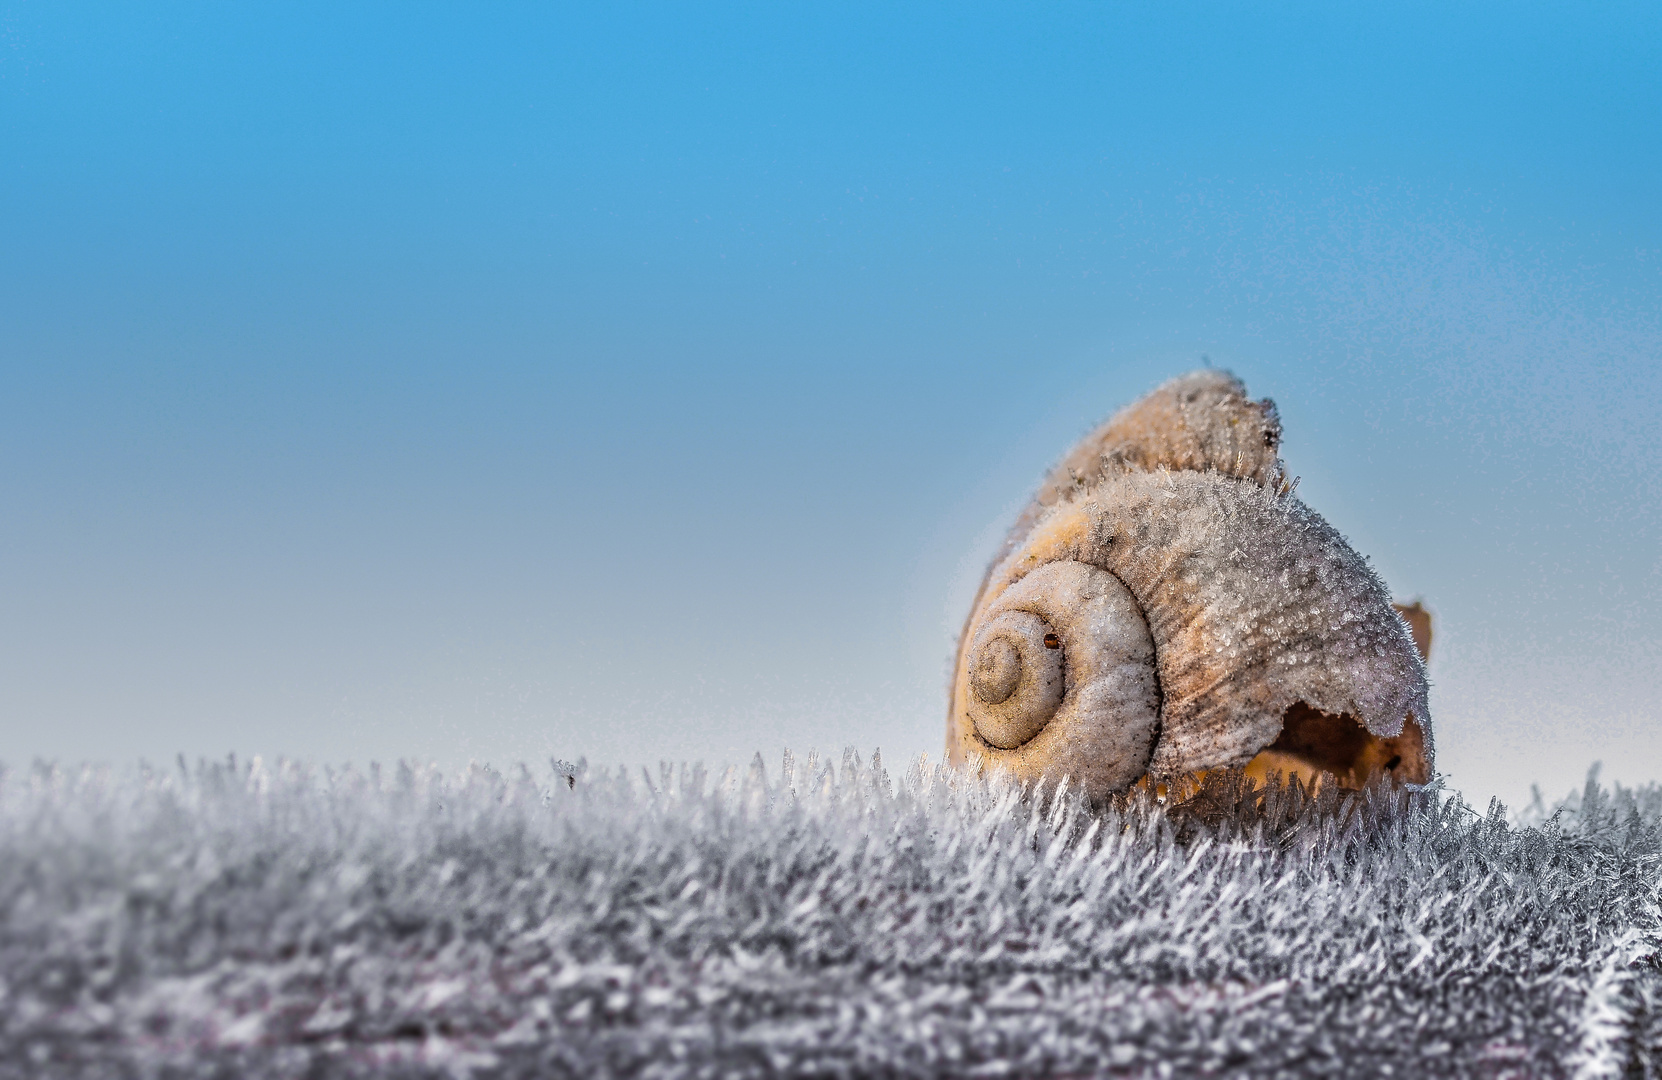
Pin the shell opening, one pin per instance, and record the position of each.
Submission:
(1313, 743)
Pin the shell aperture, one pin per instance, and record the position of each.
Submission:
(1239, 627)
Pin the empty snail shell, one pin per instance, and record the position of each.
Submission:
(1166, 606)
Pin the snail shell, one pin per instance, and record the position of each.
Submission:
(1197, 615)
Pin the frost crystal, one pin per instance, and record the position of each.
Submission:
(821, 921)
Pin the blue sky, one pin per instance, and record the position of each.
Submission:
(641, 381)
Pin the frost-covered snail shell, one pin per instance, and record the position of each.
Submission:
(1166, 606)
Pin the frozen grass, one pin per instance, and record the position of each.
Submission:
(244, 920)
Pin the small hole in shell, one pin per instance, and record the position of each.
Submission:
(1052, 641)
(1394, 762)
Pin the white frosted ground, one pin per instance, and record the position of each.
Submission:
(820, 919)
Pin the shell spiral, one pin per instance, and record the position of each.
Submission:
(1166, 606)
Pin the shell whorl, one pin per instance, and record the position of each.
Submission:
(1086, 690)
(1238, 624)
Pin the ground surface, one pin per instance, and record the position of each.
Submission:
(817, 920)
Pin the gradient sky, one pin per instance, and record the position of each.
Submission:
(641, 381)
